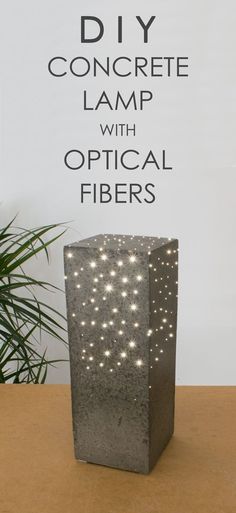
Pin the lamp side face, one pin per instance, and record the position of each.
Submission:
(163, 279)
(108, 321)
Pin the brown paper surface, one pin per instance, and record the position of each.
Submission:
(38, 472)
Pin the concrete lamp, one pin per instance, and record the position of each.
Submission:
(121, 296)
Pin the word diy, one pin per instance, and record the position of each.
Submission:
(96, 23)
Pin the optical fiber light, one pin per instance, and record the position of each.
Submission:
(122, 338)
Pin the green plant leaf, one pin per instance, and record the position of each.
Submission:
(24, 320)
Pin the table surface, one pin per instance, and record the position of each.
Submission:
(38, 472)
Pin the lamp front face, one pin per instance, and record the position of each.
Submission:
(111, 329)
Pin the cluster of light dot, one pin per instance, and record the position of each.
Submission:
(121, 241)
(105, 279)
(163, 306)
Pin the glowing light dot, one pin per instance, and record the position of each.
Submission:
(87, 367)
(104, 325)
(111, 323)
(82, 323)
(95, 280)
(118, 363)
(108, 288)
(132, 259)
(92, 300)
(132, 344)
(171, 335)
(111, 370)
(168, 252)
(96, 308)
(164, 320)
(135, 292)
(139, 363)
(83, 350)
(133, 307)
(123, 354)
(124, 294)
(101, 364)
(120, 263)
(91, 358)
(107, 353)
(91, 345)
(112, 273)
(156, 359)
(136, 324)
(93, 323)
(114, 310)
(104, 257)
(139, 277)
(73, 315)
(78, 286)
(93, 265)
(123, 322)
(65, 277)
(120, 332)
(124, 279)
(70, 255)
(76, 273)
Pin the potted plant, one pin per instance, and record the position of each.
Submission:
(23, 317)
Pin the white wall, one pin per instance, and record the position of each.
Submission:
(41, 118)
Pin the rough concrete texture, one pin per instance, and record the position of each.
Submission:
(122, 307)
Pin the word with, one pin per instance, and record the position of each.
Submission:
(118, 129)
